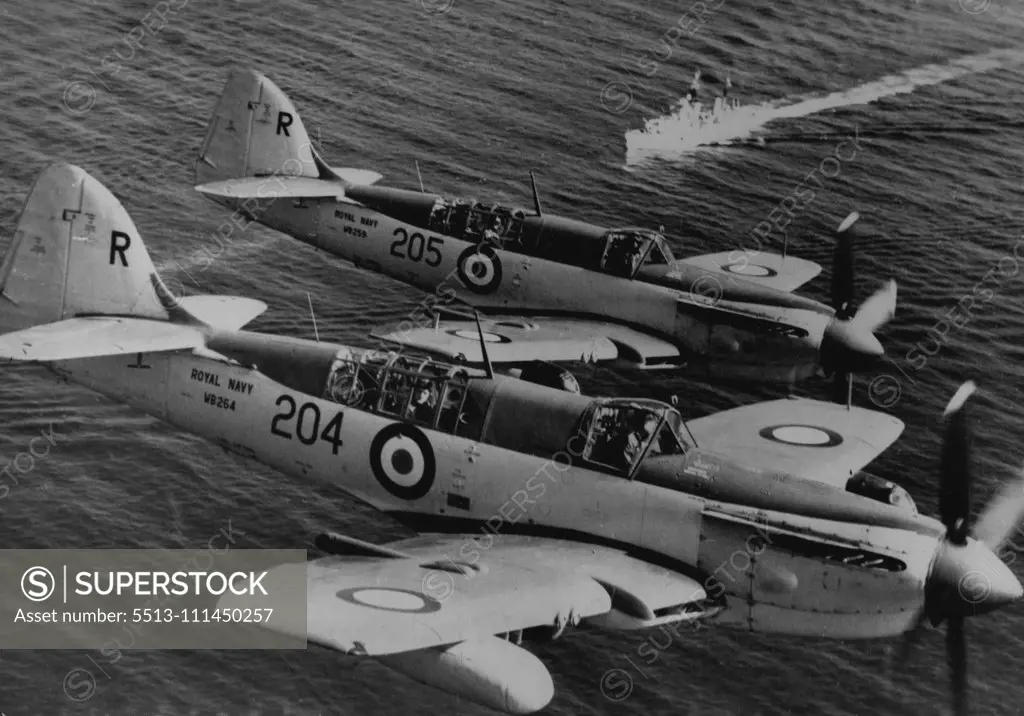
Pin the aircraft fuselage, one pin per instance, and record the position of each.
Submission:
(779, 573)
(781, 344)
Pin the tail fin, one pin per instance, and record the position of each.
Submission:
(76, 252)
(256, 131)
(77, 281)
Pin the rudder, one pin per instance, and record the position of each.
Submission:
(255, 130)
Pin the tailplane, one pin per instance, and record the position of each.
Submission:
(77, 281)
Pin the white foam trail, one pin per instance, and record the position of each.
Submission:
(674, 135)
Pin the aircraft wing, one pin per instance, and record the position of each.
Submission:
(97, 336)
(289, 187)
(418, 599)
(512, 339)
(275, 187)
(812, 439)
(772, 270)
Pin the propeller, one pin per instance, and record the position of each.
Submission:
(849, 344)
(966, 577)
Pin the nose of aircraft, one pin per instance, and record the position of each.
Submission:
(849, 346)
(974, 580)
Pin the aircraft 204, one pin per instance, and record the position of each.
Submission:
(538, 510)
(555, 289)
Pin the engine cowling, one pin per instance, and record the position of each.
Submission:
(489, 671)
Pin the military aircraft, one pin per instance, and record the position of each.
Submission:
(539, 509)
(555, 289)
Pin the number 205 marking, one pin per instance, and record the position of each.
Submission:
(416, 245)
(307, 423)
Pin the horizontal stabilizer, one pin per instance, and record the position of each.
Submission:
(228, 313)
(517, 341)
(95, 337)
(357, 177)
(272, 187)
(770, 270)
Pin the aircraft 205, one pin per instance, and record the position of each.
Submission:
(597, 512)
(555, 289)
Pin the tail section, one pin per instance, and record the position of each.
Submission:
(255, 131)
(76, 252)
(77, 281)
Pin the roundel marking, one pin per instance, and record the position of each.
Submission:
(474, 336)
(388, 599)
(479, 269)
(802, 435)
(749, 269)
(403, 461)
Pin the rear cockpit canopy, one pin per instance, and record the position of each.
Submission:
(477, 221)
(410, 388)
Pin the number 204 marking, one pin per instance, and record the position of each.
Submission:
(416, 246)
(307, 423)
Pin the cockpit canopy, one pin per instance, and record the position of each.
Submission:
(621, 432)
(410, 388)
(472, 220)
(609, 435)
(626, 250)
(620, 252)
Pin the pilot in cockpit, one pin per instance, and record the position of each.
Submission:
(643, 426)
(492, 235)
(343, 385)
(623, 254)
(424, 398)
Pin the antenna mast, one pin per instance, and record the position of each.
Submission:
(536, 196)
(313, 316)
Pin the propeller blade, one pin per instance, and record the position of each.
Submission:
(911, 637)
(956, 652)
(842, 267)
(878, 310)
(1002, 515)
(955, 490)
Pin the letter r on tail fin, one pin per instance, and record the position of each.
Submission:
(76, 252)
(255, 131)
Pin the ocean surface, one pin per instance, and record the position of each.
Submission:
(478, 94)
